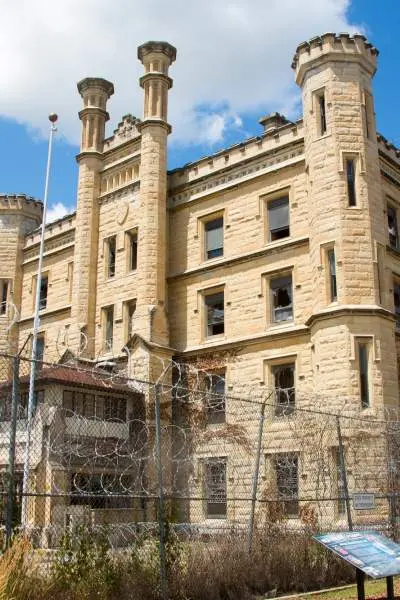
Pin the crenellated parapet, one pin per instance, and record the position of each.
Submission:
(335, 47)
(20, 205)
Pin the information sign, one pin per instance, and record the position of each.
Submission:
(368, 551)
(363, 501)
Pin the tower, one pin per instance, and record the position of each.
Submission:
(151, 320)
(95, 92)
(352, 332)
(19, 215)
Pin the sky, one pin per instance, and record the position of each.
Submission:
(232, 67)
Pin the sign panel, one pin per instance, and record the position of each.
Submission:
(363, 501)
(369, 551)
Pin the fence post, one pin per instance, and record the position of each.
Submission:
(255, 476)
(343, 474)
(11, 450)
(161, 508)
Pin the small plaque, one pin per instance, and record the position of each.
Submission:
(363, 501)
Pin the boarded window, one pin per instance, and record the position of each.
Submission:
(281, 299)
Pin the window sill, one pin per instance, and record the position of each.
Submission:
(216, 259)
(214, 338)
(280, 325)
(273, 243)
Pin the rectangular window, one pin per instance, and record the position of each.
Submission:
(363, 366)
(332, 275)
(351, 181)
(341, 492)
(392, 226)
(215, 488)
(44, 285)
(285, 391)
(214, 238)
(322, 113)
(278, 219)
(215, 398)
(281, 299)
(4, 285)
(40, 346)
(132, 249)
(111, 249)
(214, 304)
(287, 482)
(108, 324)
(115, 409)
(70, 278)
(130, 309)
(396, 301)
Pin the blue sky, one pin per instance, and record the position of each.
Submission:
(240, 72)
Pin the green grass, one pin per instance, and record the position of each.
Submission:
(372, 589)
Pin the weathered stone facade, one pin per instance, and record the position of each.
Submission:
(132, 268)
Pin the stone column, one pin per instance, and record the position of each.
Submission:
(95, 92)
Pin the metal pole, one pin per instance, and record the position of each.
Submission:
(390, 587)
(255, 476)
(161, 515)
(11, 450)
(25, 481)
(343, 474)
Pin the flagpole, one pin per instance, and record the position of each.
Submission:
(36, 322)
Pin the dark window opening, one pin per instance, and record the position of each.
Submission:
(111, 254)
(215, 313)
(341, 489)
(332, 275)
(4, 296)
(40, 346)
(215, 488)
(215, 398)
(351, 181)
(392, 227)
(109, 328)
(133, 250)
(322, 114)
(285, 392)
(278, 219)
(214, 234)
(364, 374)
(44, 284)
(287, 482)
(130, 312)
(396, 300)
(93, 406)
(282, 303)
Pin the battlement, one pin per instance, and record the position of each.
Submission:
(21, 203)
(334, 47)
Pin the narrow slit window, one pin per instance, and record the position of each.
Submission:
(341, 490)
(108, 328)
(215, 316)
(215, 398)
(392, 227)
(363, 365)
(4, 296)
(369, 114)
(40, 346)
(111, 255)
(132, 250)
(44, 284)
(287, 482)
(351, 181)
(278, 219)
(130, 309)
(396, 302)
(332, 275)
(215, 488)
(214, 238)
(322, 114)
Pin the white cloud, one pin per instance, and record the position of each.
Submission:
(231, 53)
(56, 211)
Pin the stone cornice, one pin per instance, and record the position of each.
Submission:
(157, 76)
(152, 122)
(348, 310)
(52, 246)
(271, 249)
(265, 336)
(151, 47)
(47, 313)
(94, 154)
(120, 191)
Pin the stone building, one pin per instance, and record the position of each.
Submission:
(281, 251)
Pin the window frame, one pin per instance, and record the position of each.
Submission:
(364, 376)
(351, 182)
(270, 232)
(128, 318)
(285, 274)
(321, 112)
(108, 342)
(206, 324)
(110, 268)
(390, 206)
(291, 506)
(5, 290)
(215, 401)
(287, 408)
(396, 284)
(208, 498)
(204, 221)
(131, 241)
(332, 286)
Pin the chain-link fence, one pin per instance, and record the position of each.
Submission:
(141, 459)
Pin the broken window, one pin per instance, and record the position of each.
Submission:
(392, 227)
(285, 393)
(215, 313)
(281, 299)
